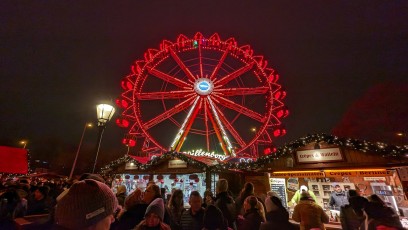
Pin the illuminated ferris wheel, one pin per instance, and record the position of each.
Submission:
(202, 93)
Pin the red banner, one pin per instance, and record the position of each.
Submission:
(13, 160)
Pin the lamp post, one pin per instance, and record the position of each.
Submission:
(79, 148)
(104, 113)
(24, 143)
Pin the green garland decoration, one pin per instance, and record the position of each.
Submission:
(286, 150)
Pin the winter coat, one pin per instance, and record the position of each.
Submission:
(278, 219)
(192, 222)
(349, 218)
(310, 215)
(252, 220)
(338, 199)
(278, 226)
(175, 217)
(161, 226)
(227, 206)
(121, 199)
(378, 215)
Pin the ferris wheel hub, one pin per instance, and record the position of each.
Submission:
(203, 86)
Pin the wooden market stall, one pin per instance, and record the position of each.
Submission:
(171, 170)
(322, 161)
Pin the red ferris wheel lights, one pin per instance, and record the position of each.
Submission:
(208, 88)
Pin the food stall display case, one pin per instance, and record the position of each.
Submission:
(319, 161)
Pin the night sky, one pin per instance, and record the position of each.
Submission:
(58, 59)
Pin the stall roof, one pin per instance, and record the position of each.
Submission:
(379, 148)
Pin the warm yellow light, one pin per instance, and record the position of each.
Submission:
(354, 170)
(310, 171)
(89, 124)
(253, 129)
(400, 134)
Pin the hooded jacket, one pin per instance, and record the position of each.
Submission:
(310, 215)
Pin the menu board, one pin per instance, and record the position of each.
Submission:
(278, 185)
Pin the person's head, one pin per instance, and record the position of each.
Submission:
(250, 203)
(92, 176)
(273, 203)
(374, 210)
(150, 183)
(337, 188)
(222, 185)
(121, 189)
(213, 218)
(305, 196)
(376, 199)
(357, 203)
(271, 194)
(195, 201)
(352, 193)
(247, 190)
(134, 198)
(152, 192)
(154, 213)
(88, 204)
(303, 188)
(8, 203)
(176, 199)
(40, 193)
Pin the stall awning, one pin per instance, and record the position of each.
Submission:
(13, 160)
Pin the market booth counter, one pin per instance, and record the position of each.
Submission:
(324, 163)
(169, 171)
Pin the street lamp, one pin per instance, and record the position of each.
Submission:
(24, 143)
(104, 113)
(79, 148)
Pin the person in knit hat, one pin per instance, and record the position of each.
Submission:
(303, 189)
(154, 217)
(309, 214)
(269, 205)
(88, 204)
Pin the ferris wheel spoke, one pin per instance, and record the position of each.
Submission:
(215, 71)
(217, 130)
(207, 130)
(200, 58)
(222, 135)
(241, 91)
(239, 108)
(186, 126)
(164, 95)
(167, 114)
(233, 75)
(168, 78)
(230, 127)
(182, 65)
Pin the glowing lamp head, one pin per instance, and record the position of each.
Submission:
(104, 113)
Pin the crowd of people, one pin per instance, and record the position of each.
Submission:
(90, 204)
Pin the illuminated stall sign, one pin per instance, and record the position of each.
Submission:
(297, 174)
(366, 173)
(359, 173)
(176, 164)
(319, 155)
(130, 165)
(201, 153)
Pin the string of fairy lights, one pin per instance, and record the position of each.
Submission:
(285, 151)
